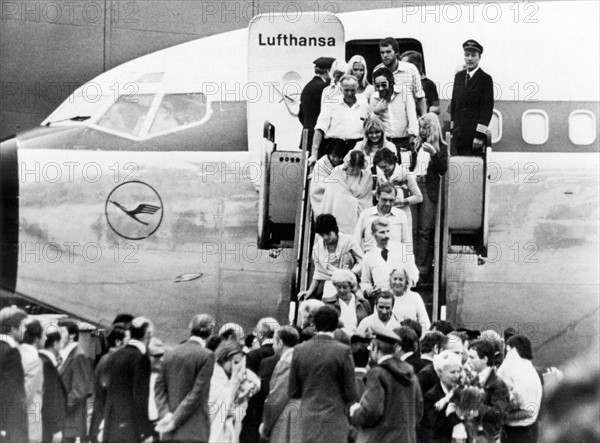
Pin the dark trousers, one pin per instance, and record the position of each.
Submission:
(423, 218)
(405, 151)
(520, 434)
(326, 143)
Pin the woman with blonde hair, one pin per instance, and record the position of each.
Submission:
(357, 66)
(432, 163)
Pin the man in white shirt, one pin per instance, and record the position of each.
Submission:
(398, 223)
(380, 261)
(382, 317)
(343, 120)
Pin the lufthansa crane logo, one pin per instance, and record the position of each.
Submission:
(134, 210)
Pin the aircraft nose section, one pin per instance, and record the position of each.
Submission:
(9, 214)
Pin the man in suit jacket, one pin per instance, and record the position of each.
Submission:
(408, 348)
(391, 405)
(128, 369)
(182, 388)
(264, 332)
(13, 419)
(472, 104)
(492, 411)
(34, 375)
(54, 400)
(78, 380)
(310, 98)
(322, 376)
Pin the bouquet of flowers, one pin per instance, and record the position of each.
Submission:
(468, 395)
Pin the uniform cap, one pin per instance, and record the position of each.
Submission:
(472, 45)
(384, 335)
(324, 62)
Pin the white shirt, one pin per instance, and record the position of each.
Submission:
(407, 78)
(376, 271)
(64, 353)
(348, 313)
(400, 116)
(198, 340)
(472, 73)
(8, 339)
(50, 355)
(373, 320)
(398, 227)
(138, 344)
(342, 121)
(411, 305)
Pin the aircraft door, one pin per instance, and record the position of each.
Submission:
(281, 52)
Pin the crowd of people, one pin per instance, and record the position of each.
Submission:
(363, 136)
(319, 380)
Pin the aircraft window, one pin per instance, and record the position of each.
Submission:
(151, 77)
(178, 110)
(582, 127)
(80, 104)
(127, 114)
(534, 126)
(496, 126)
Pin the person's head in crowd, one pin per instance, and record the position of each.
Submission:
(156, 350)
(360, 352)
(443, 326)
(52, 343)
(386, 196)
(494, 338)
(341, 336)
(349, 85)
(141, 329)
(69, 331)
(383, 82)
(481, 355)
(415, 58)
(472, 53)
(356, 162)
(570, 402)
(414, 325)
(202, 326)
(357, 66)
(389, 49)
(409, 341)
(118, 335)
(521, 345)
(307, 333)
(265, 329)
(447, 366)
(322, 67)
(326, 319)
(374, 132)
(380, 230)
(123, 318)
(336, 151)
(250, 343)
(337, 70)
(383, 342)
(508, 333)
(345, 284)
(456, 344)
(432, 343)
(213, 342)
(307, 311)
(326, 226)
(430, 130)
(399, 281)
(33, 332)
(385, 160)
(232, 332)
(384, 303)
(12, 323)
(286, 337)
(227, 355)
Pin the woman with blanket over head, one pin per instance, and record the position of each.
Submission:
(348, 191)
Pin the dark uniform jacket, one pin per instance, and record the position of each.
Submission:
(470, 110)
(182, 388)
(13, 419)
(78, 380)
(310, 105)
(127, 394)
(437, 167)
(54, 401)
(322, 376)
(391, 406)
(439, 425)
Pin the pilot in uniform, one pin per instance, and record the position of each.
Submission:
(310, 99)
(472, 104)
